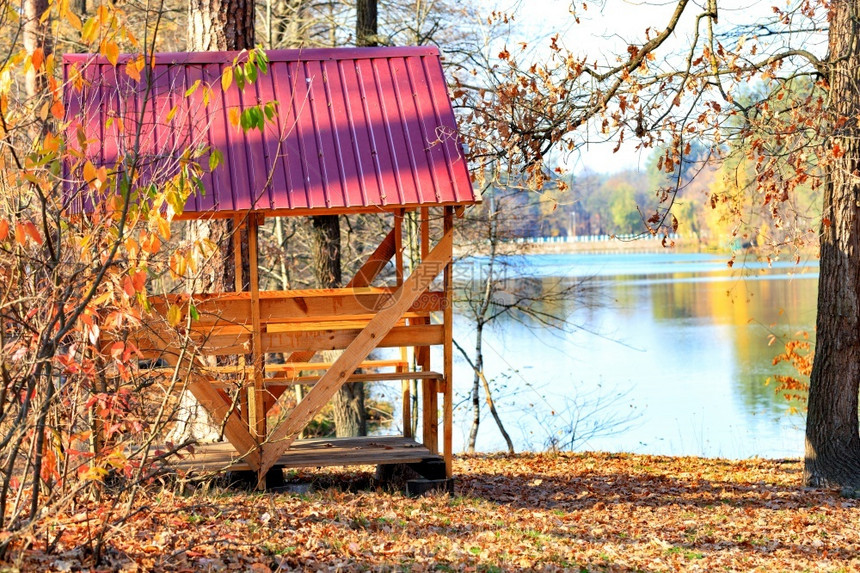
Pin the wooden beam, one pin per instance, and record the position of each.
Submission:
(356, 352)
(375, 262)
(448, 352)
(365, 275)
(368, 377)
(304, 341)
(289, 306)
(425, 335)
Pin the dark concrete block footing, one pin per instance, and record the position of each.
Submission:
(248, 479)
(419, 487)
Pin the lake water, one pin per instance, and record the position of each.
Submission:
(669, 354)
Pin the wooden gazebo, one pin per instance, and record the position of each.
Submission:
(357, 131)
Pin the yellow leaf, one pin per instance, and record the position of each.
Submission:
(132, 71)
(110, 50)
(90, 31)
(163, 228)
(227, 78)
(191, 261)
(172, 113)
(235, 116)
(72, 18)
(90, 175)
(93, 473)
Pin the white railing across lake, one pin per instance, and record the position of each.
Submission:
(594, 238)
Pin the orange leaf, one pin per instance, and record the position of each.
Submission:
(51, 143)
(90, 175)
(4, 229)
(152, 244)
(139, 281)
(128, 286)
(24, 230)
(58, 110)
(837, 150)
(111, 51)
(38, 58)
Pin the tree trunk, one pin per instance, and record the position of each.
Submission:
(476, 386)
(214, 25)
(350, 417)
(37, 35)
(832, 439)
(365, 23)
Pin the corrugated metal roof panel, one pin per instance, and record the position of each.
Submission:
(356, 128)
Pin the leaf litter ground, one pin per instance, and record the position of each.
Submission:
(580, 512)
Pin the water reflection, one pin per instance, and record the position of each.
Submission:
(684, 335)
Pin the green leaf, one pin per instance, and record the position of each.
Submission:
(269, 110)
(193, 88)
(215, 159)
(250, 72)
(239, 77)
(192, 310)
(246, 120)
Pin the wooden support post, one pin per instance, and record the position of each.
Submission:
(238, 224)
(398, 249)
(448, 350)
(406, 403)
(422, 358)
(258, 410)
(368, 339)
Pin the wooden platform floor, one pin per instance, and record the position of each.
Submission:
(368, 450)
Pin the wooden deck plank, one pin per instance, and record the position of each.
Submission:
(368, 450)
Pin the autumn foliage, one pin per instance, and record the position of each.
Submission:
(580, 512)
(82, 247)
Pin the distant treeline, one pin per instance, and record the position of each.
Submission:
(709, 200)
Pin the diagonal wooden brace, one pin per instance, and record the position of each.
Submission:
(235, 429)
(365, 275)
(368, 339)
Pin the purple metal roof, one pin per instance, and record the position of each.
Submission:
(356, 128)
